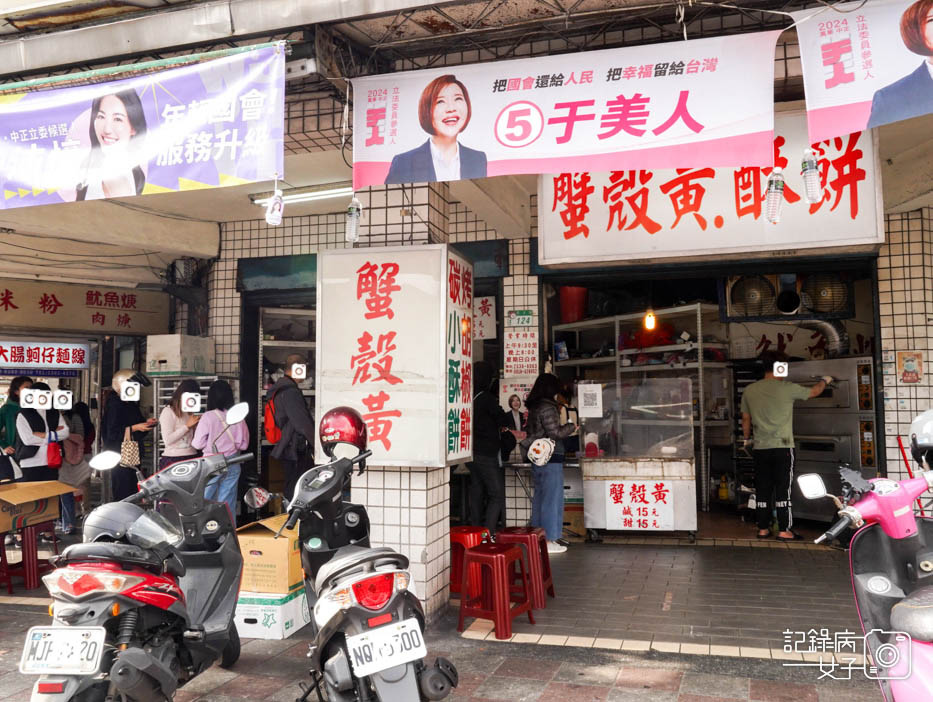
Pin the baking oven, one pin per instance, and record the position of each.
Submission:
(838, 426)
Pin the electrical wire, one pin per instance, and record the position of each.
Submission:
(66, 253)
(159, 213)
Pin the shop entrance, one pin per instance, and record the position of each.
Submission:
(669, 352)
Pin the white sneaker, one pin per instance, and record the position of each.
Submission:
(554, 547)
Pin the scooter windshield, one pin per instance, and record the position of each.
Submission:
(152, 529)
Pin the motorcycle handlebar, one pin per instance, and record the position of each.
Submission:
(835, 530)
(137, 497)
(242, 458)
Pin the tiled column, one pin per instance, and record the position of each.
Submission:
(905, 290)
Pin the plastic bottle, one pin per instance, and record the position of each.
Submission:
(354, 210)
(811, 177)
(774, 199)
(723, 489)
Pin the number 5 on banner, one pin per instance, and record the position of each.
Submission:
(519, 124)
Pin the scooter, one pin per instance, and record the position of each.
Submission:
(891, 560)
(367, 621)
(146, 602)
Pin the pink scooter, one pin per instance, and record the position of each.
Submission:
(891, 559)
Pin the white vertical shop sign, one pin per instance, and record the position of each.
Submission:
(381, 329)
(484, 318)
(459, 345)
(624, 216)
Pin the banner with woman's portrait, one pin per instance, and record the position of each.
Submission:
(203, 125)
(698, 103)
(865, 64)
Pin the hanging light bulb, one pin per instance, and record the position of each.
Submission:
(649, 320)
(354, 210)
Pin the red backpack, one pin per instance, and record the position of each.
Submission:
(269, 427)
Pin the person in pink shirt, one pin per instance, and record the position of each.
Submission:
(212, 438)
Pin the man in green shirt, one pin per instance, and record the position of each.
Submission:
(768, 407)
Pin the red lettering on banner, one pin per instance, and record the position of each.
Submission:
(123, 320)
(466, 380)
(77, 357)
(660, 493)
(621, 182)
(375, 117)
(687, 196)
(379, 420)
(617, 492)
(63, 356)
(92, 298)
(49, 304)
(680, 113)
(847, 172)
(625, 115)
(573, 190)
(98, 318)
(466, 425)
(638, 494)
(834, 53)
(111, 299)
(17, 354)
(453, 281)
(748, 193)
(4, 354)
(466, 285)
(571, 118)
(484, 307)
(129, 301)
(48, 355)
(368, 357)
(377, 288)
(6, 301)
(33, 354)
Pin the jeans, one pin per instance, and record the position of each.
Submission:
(547, 504)
(487, 492)
(222, 488)
(68, 510)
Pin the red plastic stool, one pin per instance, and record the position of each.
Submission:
(462, 538)
(31, 567)
(494, 600)
(534, 541)
(6, 578)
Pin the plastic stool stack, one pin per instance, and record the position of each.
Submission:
(462, 538)
(495, 598)
(534, 542)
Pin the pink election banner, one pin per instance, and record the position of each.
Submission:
(698, 103)
(865, 65)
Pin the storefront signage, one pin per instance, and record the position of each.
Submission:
(520, 318)
(638, 505)
(670, 105)
(520, 386)
(85, 308)
(204, 125)
(32, 355)
(459, 358)
(625, 216)
(521, 352)
(386, 319)
(484, 318)
(864, 65)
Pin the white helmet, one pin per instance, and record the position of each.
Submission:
(921, 438)
(121, 376)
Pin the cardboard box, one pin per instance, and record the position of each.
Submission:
(178, 354)
(265, 615)
(269, 564)
(573, 520)
(25, 504)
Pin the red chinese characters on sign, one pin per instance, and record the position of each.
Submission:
(376, 284)
(572, 190)
(846, 172)
(112, 299)
(372, 363)
(687, 195)
(61, 356)
(49, 304)
(639, 505)
(6, 301)
(615, 195)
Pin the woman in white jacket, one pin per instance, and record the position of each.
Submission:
(32, 429)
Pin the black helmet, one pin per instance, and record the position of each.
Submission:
(109, 522)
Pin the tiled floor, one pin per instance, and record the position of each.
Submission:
(724, 600)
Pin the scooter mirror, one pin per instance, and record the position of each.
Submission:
(257, 497)
(811, 486)
(237, 413)
(105, 460)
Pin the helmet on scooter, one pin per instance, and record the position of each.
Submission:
(921, 439)
(343, 433)
(109, 522)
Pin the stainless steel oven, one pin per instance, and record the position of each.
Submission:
(839, 425)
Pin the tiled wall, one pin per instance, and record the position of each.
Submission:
(905, 290)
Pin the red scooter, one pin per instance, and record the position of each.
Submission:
(891, 560)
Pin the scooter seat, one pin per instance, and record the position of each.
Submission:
(109, 551)
(349, 559)
(914, 614)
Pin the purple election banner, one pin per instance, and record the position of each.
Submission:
(205, 125)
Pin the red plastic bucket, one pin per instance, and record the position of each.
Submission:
(572, 304)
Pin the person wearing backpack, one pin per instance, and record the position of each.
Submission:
(288, 424)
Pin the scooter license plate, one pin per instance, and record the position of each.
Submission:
(385, 647)
(63, 650)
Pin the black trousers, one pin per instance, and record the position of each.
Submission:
(124, 482)
(774, 472)
(487, 492)
(292, 473)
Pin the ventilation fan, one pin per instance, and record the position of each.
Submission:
(824, 293)
(751, 296)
